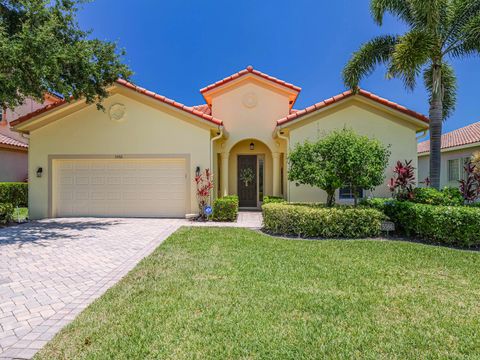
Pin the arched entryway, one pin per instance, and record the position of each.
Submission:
(250, 170)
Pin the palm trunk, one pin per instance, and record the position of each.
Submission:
(436, 122)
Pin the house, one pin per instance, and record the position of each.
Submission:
(458, 147)
(139, 157)
(14, 146)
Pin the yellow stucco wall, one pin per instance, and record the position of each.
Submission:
(424, 164)
(149, 129)
(365, 120)
(244, 121)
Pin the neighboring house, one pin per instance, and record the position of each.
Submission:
(457, 147)
(14, 146)
(139, 157)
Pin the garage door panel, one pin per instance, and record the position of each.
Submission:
(120, 187)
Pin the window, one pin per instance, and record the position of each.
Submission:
(463, 172)
(347, 193)
(454, 170)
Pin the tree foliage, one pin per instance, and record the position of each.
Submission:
(43, 50)
(437, 32)
(342, 158)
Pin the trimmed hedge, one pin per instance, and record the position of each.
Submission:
(446, 197)
(15, 193)
(309, 222)
(447, 225)
(225, 208)
(6, 213)
(273, 199)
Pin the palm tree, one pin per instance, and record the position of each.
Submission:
(439, 30)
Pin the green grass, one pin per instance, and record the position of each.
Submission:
(234, 293)
(21, 215)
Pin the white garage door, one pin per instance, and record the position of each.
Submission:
(120, 187)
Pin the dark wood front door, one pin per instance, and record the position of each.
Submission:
(247, 180)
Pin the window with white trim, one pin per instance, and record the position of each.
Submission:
(456, 169)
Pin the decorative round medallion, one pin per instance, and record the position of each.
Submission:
(117, 112)
(250, 100)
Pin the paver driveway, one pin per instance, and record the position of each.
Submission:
(51, 270)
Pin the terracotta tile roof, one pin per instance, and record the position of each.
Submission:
(129, 85)
(464, 136)
(295, 114)
(204, 108)
(250, 70)
(10, 142)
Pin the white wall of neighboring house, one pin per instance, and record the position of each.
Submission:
(452, 162)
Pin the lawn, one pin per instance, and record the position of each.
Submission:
(234, 293)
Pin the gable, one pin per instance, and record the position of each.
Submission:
(131, 124)
(371, 100)
(55, 111)
(250, 74)
(250, 109)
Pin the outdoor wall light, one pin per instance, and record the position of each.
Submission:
(252, 146)
(39, 171)
(197, 171)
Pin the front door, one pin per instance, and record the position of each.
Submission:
(247, 180)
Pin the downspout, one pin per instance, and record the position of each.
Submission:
(219, 136)
(287, 140)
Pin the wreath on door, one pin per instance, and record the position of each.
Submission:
(247, 175)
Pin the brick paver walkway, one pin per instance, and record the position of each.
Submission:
(51, 270)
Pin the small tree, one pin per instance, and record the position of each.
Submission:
(340, 159)
(204, 183)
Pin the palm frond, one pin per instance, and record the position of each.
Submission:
(398, 8)
(468, 42)
(430, 15)
(461, 12)
(363, 62)
(448, 87)
(411, 52)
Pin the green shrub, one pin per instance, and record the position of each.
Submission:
(375, 203)
(6, 213)
(475, 205)
(432, 196)
(15, 193)
(225, 208)
(273, 199)
(449, 225)
(308, 221)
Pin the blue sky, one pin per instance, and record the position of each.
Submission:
(177, 47)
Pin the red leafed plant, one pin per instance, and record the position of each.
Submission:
(403, 182)
(204, 182)
(470, 186)
(426, 182)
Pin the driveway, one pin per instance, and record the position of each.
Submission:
(53, 269)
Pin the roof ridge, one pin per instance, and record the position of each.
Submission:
(250, 70)
(346, 94)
